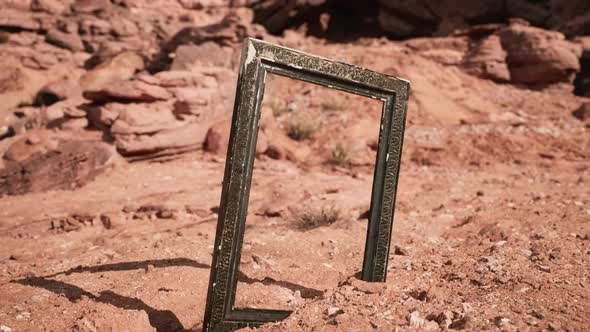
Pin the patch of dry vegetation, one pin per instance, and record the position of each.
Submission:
(313, 218)
(302, 126)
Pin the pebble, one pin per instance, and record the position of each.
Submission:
(333, 311)
(149, 269)
(400, 251)
(416, 320)
(5, 328)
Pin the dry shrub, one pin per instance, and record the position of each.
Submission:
(313, 218)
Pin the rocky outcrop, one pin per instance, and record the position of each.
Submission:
(161, 115)
(210, 45)
(417, 18)
(515, 52)
(118, 68)
(128, 92)
(537, 56)
(487, 59)
(405, 19)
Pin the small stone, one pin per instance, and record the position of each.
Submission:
(334, 311)
(149, 269)
(416, 320)
(33, 140)
(4, 328)
(500, 243)
(400, 251)
(368, 287)
(165, 214)
(544, 268)
(445, 319)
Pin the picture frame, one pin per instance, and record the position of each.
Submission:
(258, 59)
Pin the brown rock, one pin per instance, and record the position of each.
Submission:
(166, 142)
(95, 27)
(185, 78)
(210, 44)
(56, 169)
(445, 50)
(68, 41)
(217, 139)
(128, 91)
(123, 27)
(537, 56)
(74, 124)
(487, 59)
(119, 68)
(59, 90)
(23, 148)
(218, 136)
(17, 19)
(90, 6)
(49, 6)
(206, 54)
(143, 119)
(583, 113)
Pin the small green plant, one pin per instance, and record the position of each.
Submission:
(340, 156)
(301, 127)
(314, 218)
(4, 37)
(278, 106)
(334, 104)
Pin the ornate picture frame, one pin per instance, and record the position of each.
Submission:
(258, 59)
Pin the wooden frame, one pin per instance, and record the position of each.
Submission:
(258, 59)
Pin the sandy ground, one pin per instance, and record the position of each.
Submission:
(491, 228)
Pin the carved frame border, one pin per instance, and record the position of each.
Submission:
(258, 59)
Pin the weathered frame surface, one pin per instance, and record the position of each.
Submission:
(259, 58)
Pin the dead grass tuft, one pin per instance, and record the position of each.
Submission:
(340, 156)
(302, 126)
(278, 107)
(314, 218)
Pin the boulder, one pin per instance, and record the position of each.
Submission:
(206, 54)
(103, 116)
(217, 139)
(69, 41)
(128, 91)
(118, 68)
(181, 139)
(69, 165)
(212, 44)
(59, 90)
(141, 119)
(487, 59)
(143, 131)
(537, 56)
(33, 142)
